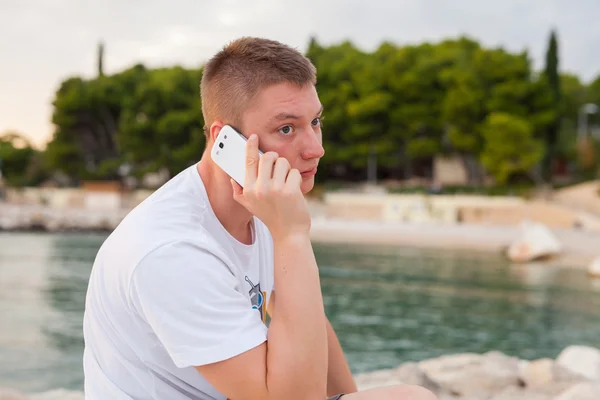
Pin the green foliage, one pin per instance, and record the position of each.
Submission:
(148, 119)
(593, 96)
(101, 59)
(19, 161)
(573, 98)
(405, 104)
(551, 70)
(509, 146)
(552, 76)
(161, 124)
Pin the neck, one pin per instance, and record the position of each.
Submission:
(232, 215)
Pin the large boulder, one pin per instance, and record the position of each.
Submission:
(515, 393)
(58, 394)
(549, 391)
(11, 394)
(369, 380)
(594, 268)
(581, 360)
(535, 241)
(538, 373)
(581, 391)
(472, 375)
(408, 373)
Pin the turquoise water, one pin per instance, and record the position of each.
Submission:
(389, 305)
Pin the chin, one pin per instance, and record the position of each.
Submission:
(307, 185)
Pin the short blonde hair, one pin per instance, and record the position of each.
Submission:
(235, 75)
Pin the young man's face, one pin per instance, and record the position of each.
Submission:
(287, 120)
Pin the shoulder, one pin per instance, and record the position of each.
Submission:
(181, 269)
(185, 255)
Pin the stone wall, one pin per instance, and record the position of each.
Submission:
(452, 209)
(87, 197)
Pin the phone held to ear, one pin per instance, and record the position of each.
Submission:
(229, 153)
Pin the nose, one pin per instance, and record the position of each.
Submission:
(312, 146)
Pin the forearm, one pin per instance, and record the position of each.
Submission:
(297, 339)
(339, 376)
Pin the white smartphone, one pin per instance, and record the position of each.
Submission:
(229, 153)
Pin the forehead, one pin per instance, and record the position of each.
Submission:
(287, 98)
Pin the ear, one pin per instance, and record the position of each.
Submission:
(214, 130)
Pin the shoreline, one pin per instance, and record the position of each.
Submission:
(580, 247)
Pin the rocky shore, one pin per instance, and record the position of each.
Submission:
(41, 218)
(574, 375)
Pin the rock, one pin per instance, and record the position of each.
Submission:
(581, 391)
(537, 373)
(515, 393)
(581, 360)
(11, 394)
(446, 396)
(545, 392)
(408, 373)
(58, 394)
(563, 374)
(536, 241)
(594, 268)
(470, 374)
(375, 379)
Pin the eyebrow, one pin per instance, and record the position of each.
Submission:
(283, 116)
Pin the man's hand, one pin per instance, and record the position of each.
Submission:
(272, 193)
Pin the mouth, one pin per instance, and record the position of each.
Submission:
(309, 173)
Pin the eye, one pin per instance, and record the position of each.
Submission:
(286, 130)
(316, 121)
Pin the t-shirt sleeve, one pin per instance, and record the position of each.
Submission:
(190, 299)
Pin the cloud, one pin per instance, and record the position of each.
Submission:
(44, 41)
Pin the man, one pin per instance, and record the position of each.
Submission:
(179, 292)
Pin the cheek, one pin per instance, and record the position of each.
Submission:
(287, 150)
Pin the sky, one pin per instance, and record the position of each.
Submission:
(43, 42)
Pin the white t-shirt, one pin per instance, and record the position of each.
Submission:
(171, 289)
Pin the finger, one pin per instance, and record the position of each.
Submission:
(251, 161)
(294, 180)
(280, 172)
(265, 166)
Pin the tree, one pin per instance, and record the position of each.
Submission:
(399, 105)
(553, 79)
(86, 114)
(161, 122)
(573, 97)
(510, 148)
(337, 66)
(593, 96)
(19, 161)
(100, 59)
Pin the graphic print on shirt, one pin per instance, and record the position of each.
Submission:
(257, 298)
